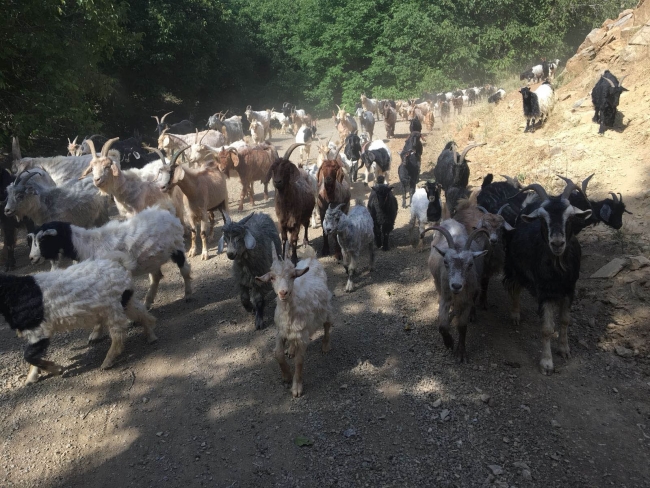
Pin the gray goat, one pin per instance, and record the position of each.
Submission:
(249, 244)
(354, 233)
(456, 264)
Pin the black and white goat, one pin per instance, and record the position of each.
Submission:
(92, 294)
(605, 96)
(425, 209)
(543, 256)
(538, 104)
(376, 156)
(366, 121)
(151, 238)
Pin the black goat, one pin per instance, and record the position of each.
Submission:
(9, 224)
(414, 143)
(452, 172)
(605, 96)
(409, 173)
(382, 206)
(494, 195)
(182, 127)
(543, 256)
(352, 152)
(132, 154)
(445, 110)
(527, 75)
(609, 211)
(415, 125)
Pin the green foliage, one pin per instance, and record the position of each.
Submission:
(71, 67)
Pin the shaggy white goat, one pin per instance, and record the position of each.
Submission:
(303, 306)
(151, 238)
(94, 293)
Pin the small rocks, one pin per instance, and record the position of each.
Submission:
(611, 269)
(145, 400)
(444, 415)
(496, 469)
(525, 408)
(485, 398)
(349, 433)
(437, 403)
(624, 352)
(638, 262)
(555, 424)
(525, 474)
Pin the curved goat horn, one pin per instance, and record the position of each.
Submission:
(443, 231)
(585, 182)
(614, 197)
(620, 82)
(172, 162)
(91, 145)
(157, 151)
(196, 139)
(539, 189)
(75, 140)
(473, 235)
(608, 81)
(290, 149)
(108, 145)
(157, 119)
(502, 207)
(29, 175)
(468, 149)
(570, 186)
(162, 120)
(482, 209)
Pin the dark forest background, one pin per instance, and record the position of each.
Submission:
(76, 67)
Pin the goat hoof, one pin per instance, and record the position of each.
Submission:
(565, 353)
(204, 256)
(151, 338)
(31, 379)
(296, 390)
(326, 347)
(448, 340)
(259, 324)
(108, 363)
(95, 338)
(546, 366)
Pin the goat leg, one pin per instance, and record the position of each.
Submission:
(443, 321)
(258, 302)
(279, 356)
(326, 243)
(244, 296)
(204, 235)
(251, 193)
(565, 321)
(548, 332)
(515, 295)
(371, 250)
(385, 233)
(296, 388)
(117, 331)
(351, 269)
(326, 337)
(460, 321)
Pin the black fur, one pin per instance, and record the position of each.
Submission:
(605, 99)
(126, 297)
(178, 257)
(606, 211)
(409, 173)
(434, 210)
(447, 172)
(415, 125)
(61, 243)
(21, 302)
(495, 98)
(378, 156)
(413, 143)
(382, 206)
(34, 353)
(496, 194)
(531, 108)
(352, 151)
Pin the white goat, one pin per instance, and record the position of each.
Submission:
(131, 194)
(284, 121)
(92, 294)
(354, 233)
(171, 143)
(303, 306)
(257, 132)
(151, 238)
(264, 118)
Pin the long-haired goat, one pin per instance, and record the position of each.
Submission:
(538, 104)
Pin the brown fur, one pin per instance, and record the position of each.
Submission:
(333, 188)
(294, 201)
(390, 119)
(468, 214)
(429, 120)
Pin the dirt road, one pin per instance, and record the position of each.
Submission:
(388, 406)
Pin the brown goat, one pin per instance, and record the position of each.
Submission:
(429, 120)
(333, 188)
(252, 164)
(473, 216)
(294, 199)
(390, 119)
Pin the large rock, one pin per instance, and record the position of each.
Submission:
(642, 38)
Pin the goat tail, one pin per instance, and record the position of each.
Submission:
(125, 260)
(358, 201)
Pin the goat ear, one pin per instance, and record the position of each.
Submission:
(605, 212)
(249, 240)
(86, 172)
(507, 226)
(531, 216)
(264, 278)
(478, 254)
(297, 273)
(115, 169)
(220, 245)
(50, 232)
(30, 190)
(581, 214)
(441, 252)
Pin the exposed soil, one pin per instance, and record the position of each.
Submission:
(388, 406)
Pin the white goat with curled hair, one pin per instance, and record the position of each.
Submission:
(303, 306)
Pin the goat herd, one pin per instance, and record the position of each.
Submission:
(522, 232)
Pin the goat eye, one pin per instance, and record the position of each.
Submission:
(272, 279)
(470, 264)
